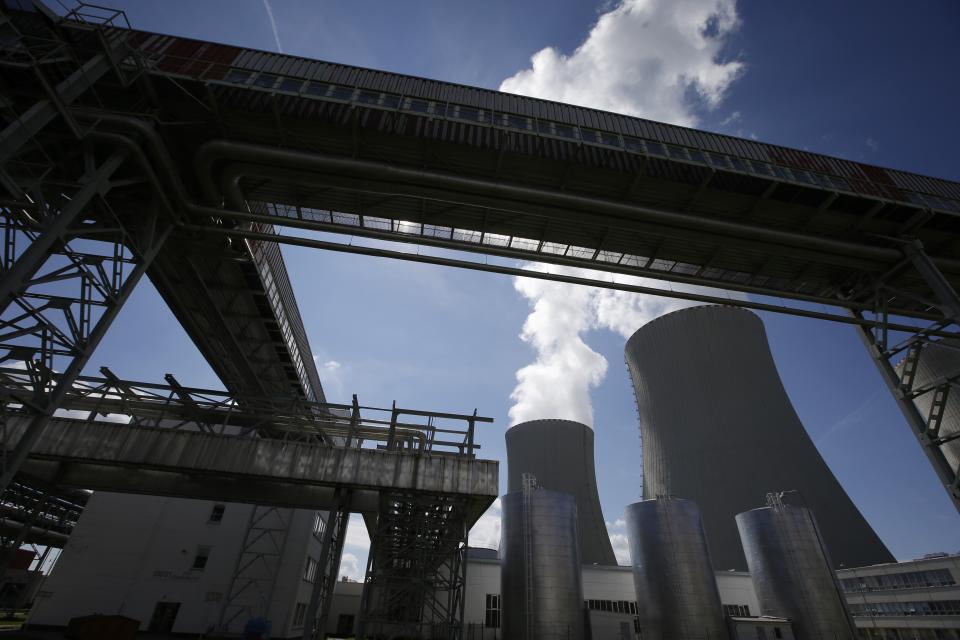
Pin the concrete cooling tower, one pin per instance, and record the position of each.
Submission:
(560, 454)
(718, 428)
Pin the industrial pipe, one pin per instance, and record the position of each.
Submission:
(400, 177)
(212, 150)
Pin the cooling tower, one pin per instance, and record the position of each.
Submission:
(939, 361)
(677, 595)
(560, 454)
(718, 428)
(542, 592)
(791, 574)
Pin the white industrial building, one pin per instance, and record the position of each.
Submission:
(171, 564)
(915, 600)
(184, 566)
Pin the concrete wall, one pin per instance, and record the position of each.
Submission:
(346, 601)
(130, 552)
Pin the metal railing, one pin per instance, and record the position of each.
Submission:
(175, 406)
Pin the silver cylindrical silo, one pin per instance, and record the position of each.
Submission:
(936, 362)
(541, 589)
(677, 594)
(791, 572)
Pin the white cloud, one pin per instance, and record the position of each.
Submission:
(350, 567)
(618, 538)
(353, 562)
(486, 532)
(658, 59)
(873, 144)
(331, 365)
(558, 383)
(357, 537)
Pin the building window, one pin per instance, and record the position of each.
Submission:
(777, 633)
(900, 580)
(614, 606)
(318, 524)
(739, 610)
(299, 614)
(200, 560)
(493, 611)
(216, 514)
(901, 609)
(310, 570)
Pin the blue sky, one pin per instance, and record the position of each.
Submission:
(864, 80)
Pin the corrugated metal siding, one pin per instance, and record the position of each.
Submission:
(196, 58)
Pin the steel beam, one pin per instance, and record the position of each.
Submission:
(929, 443)
(746, 303)
(944, 292)
(18, 276)
(85, 342)
(328, 566)
(25, 127)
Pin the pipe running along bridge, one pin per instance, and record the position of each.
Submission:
(126, 154)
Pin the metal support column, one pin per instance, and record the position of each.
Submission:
(902, 379)
(328, 565)
(947, 297)
(416, 570)
(880, 353)
(45, 331)
(258, 564)
(17, 276)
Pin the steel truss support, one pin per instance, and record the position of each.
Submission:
(923, 388)
(416, 570)
(13, 543)
(258, 565)
(65, 296)
(328, 566)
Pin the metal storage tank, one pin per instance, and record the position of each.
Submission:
(936, 362)
(718, 428)
(560, 454)
(677, 595)
(791, 572)
(540, 583)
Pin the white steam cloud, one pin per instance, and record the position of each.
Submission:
(558, 383)
(657, 59)
(486, 532)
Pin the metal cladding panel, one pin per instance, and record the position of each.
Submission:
(791, 572)
(718, 428)
(677, 595)
(541, 589)
(560, 454)
(937, 363)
